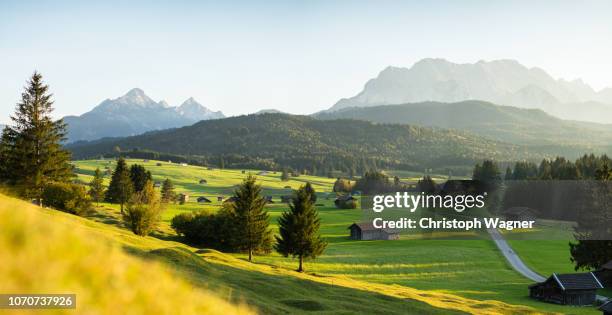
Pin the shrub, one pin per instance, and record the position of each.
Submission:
(68, 197)
(143, 211)
(206, 229)
(346, 204)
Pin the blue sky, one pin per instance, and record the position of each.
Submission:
(299, 57)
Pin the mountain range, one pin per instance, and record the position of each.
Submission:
(134, 113)
(281, 140)
(503, 82)
(503, 123)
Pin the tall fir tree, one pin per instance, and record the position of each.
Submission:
(32, 150)
(167, 191)
(251, 218)
(120, 188)
(96, 187)
(299, 229)
(593, 227)
(139, 176)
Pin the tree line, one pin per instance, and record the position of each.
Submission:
(242, 225)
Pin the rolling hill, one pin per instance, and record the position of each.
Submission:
(502, 123)
(132, 114)
(277, 140)
(505, 82)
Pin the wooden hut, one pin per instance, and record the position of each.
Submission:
(231, 199)
(157, 185)
(567, 289)
(203, 200)
(182, 198)
(219, 198)
(606, 308)
(203, 181)
(366, 231)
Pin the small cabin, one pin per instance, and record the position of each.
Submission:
(262, 173)
(157, 185)
(219, 198)
(183, 198)
(203, 200)
(184, 164)
(567, 289)
(203, 181)
(231, 199)
(366, 231)
(520, 214)
(606, 308)
(269, 199)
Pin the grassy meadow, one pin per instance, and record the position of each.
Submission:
(462, 275)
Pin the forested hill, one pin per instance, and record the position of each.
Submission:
(302, 142)
(503, 123)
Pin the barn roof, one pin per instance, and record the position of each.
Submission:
(577, 281)
(368, 226)
(606, 307)
(607, 266)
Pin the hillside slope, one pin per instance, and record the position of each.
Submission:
(503, 123)
(85, 258)
(45, 251)
(301, 142)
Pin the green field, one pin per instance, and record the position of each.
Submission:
(469, 272)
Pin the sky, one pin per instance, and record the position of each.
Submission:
(295, 56)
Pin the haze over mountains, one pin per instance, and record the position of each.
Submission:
(503, 82)
(132, 114)
(503, 123)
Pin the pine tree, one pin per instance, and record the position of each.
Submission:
(251, 219)
(32, 146)
(299, 229)
(167, 192)
(139, 176)
(285, 175)
(96, 187)
(120, 188)
(508, 175)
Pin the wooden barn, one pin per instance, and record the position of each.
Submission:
(203, 200)
(231, 199)
(182, 198)
(520, 214)
(366, 231)
(567, 289)
(606, 308)
(604, 274)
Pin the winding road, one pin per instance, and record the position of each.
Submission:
(516, 262)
